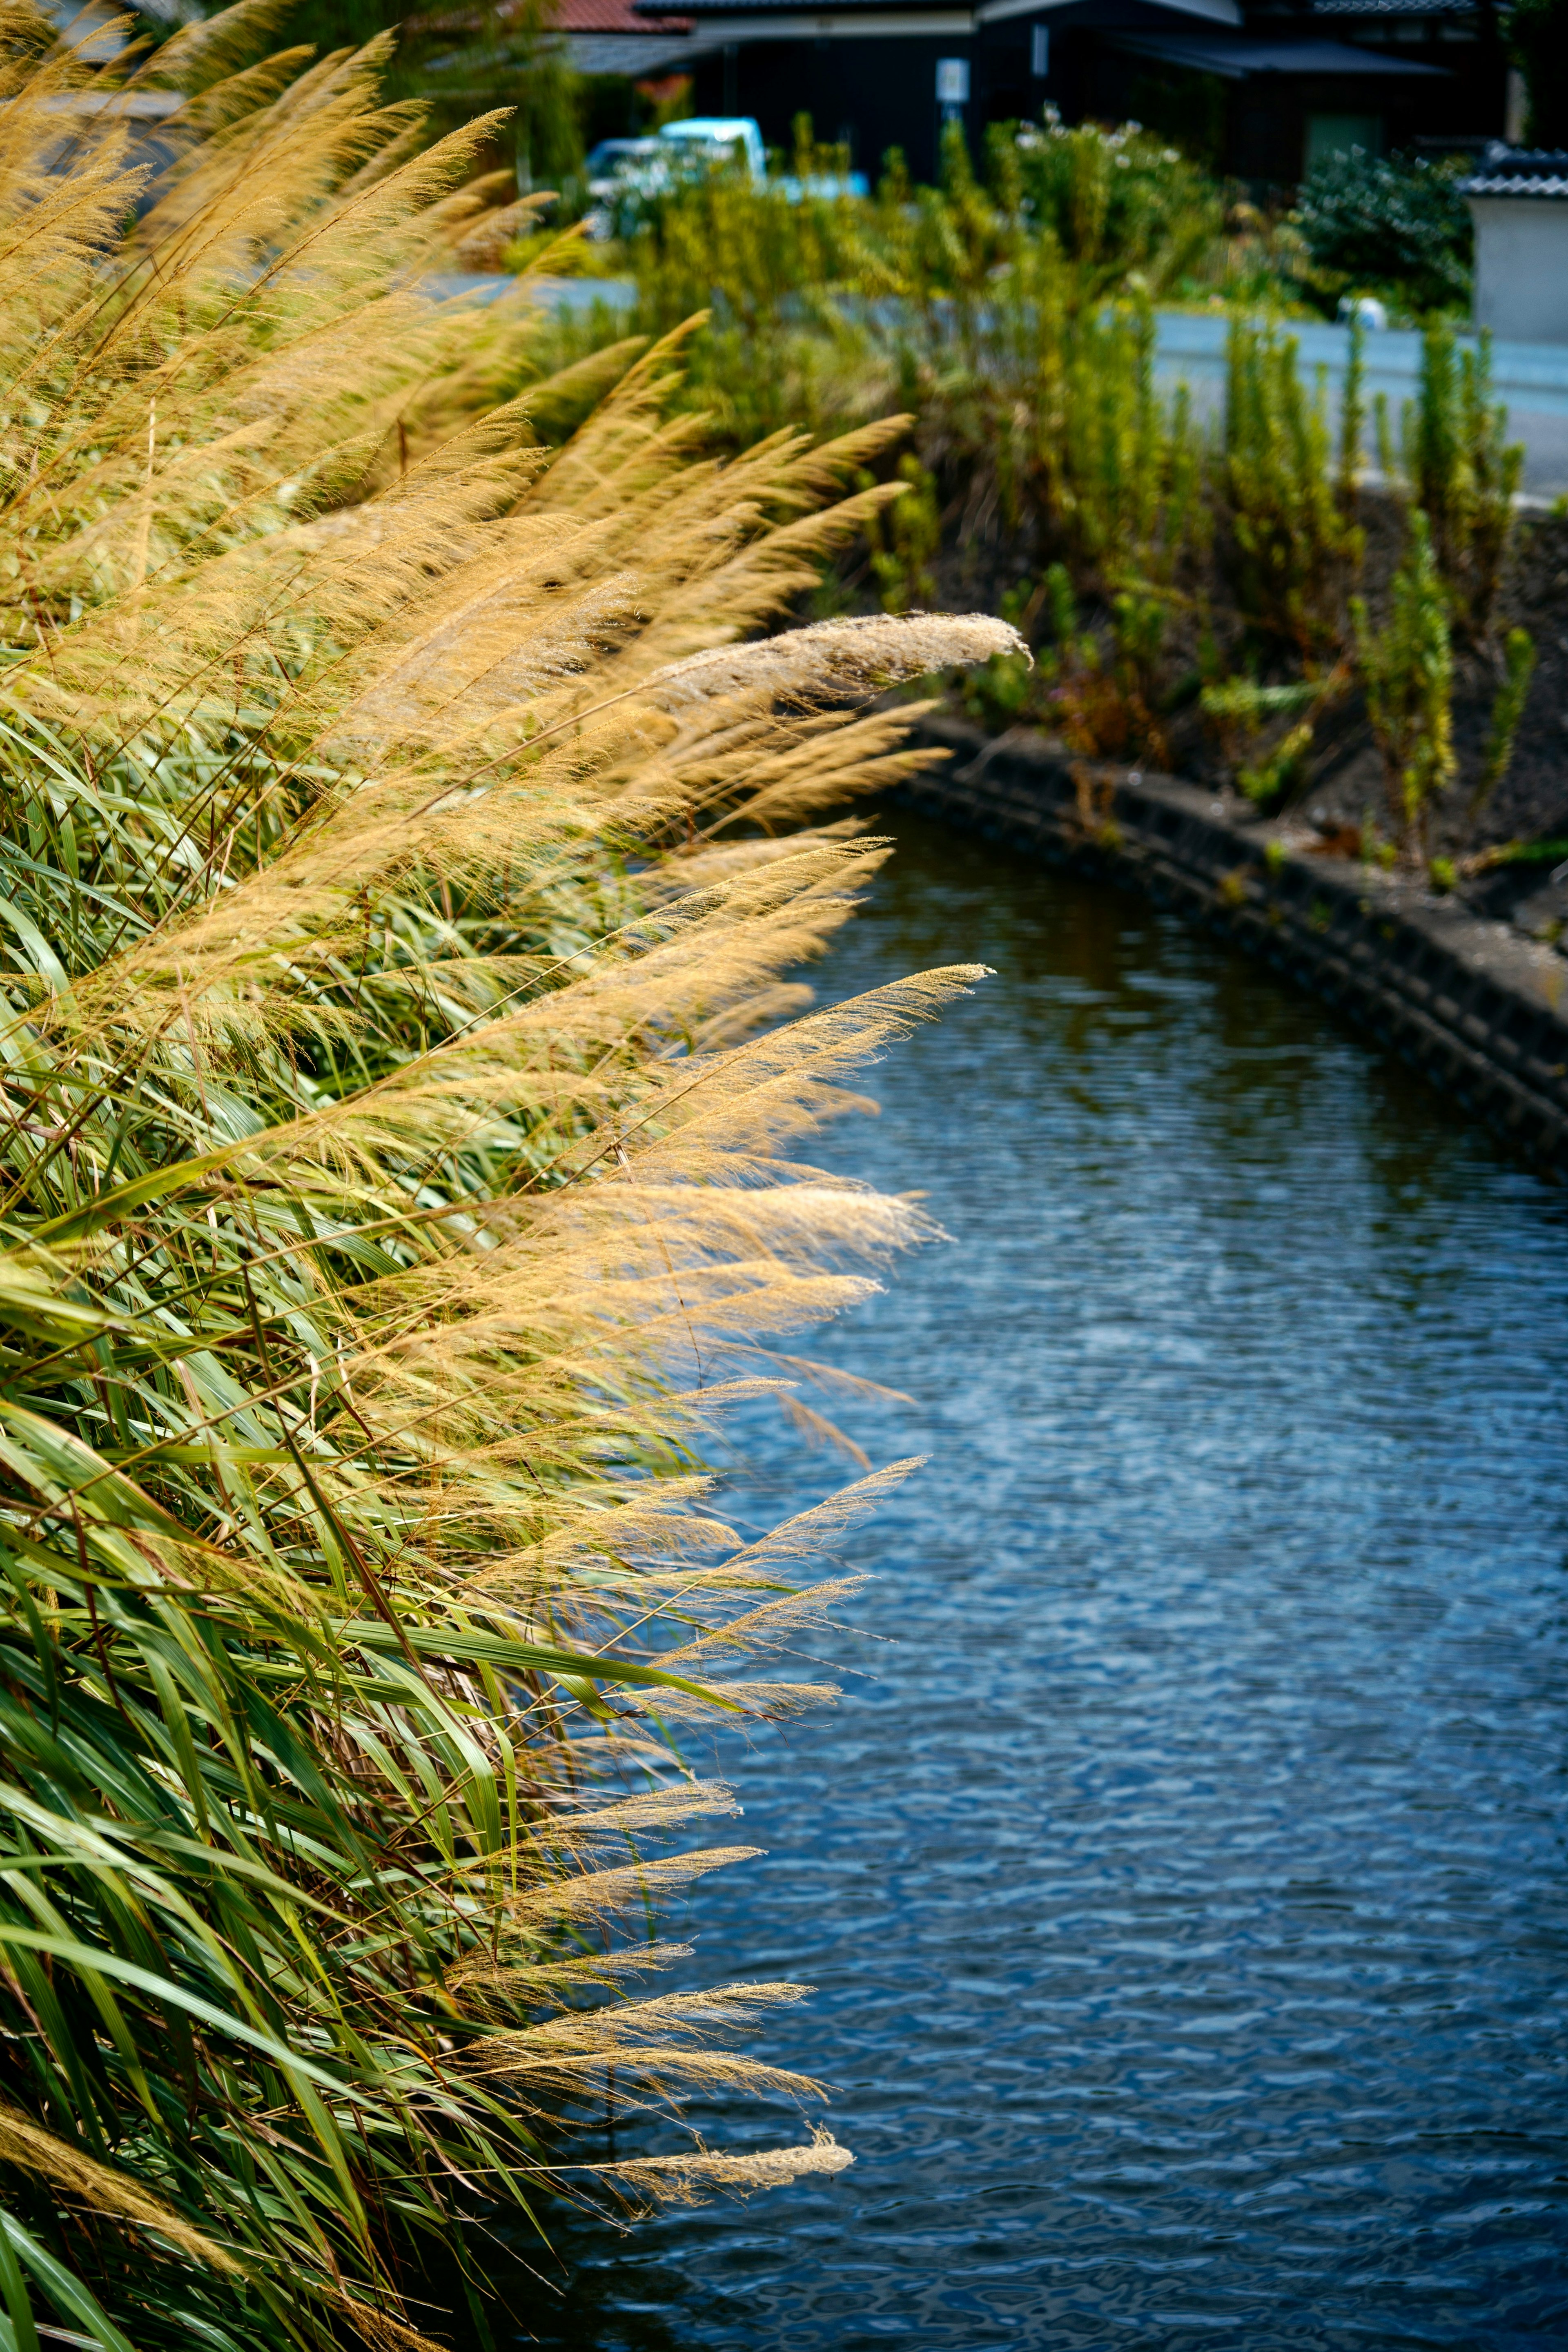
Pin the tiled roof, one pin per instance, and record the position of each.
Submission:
(591, 18)
(1519, 171)
(613, 16)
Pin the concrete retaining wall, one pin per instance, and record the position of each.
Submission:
(1480, 1010)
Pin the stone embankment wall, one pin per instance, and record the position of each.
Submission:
(1482, 1010)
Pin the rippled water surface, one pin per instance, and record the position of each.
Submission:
(1186, 1884)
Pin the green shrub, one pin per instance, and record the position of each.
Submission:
(1289, 547)
(1113, 474)
(1408, 669)
(952, 297)
(1244, 714)
(1462, 473)
(1508, 711)
(1391, 224)
(1116, 201)
(904, 541)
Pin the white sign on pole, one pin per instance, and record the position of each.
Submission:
(952, 81)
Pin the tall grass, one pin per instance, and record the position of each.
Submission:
(401, 1130)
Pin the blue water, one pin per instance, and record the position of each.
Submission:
(1184, 1875)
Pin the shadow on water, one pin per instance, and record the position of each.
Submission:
(592, 2289)
(1184, 1884)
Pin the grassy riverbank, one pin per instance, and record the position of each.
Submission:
(1340, 608)
(403, 1168)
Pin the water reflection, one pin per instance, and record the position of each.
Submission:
(1185, 1889)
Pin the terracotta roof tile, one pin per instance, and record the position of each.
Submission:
(613, 16)
(572, 17)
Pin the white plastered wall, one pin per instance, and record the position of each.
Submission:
(1521, 266)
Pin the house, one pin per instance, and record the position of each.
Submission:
(1255, 89)
(597, 38)
(604, 37)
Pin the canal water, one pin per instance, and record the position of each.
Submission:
(1183, 1871)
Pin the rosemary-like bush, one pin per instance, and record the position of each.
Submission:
(1461, 469)
(1408, 669)
(400, 1150)
(1290, 545)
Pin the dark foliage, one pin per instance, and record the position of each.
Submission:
(1393, 222)
(1537, 36)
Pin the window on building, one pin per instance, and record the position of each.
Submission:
(1336, 134)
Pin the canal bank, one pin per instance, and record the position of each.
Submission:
(1478, 1008)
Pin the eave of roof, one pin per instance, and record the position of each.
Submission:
(1384, 9)
(637, 56)
(906, 14)
(1237, 60)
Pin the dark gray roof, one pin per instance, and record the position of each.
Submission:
(1519, 171)
(1234, 59)
(769, 8)
(632, 55)
(1393, 8)
(1150, 12)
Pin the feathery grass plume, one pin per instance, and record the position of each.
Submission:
(401, 1156)
(687, 2179)
(840, 659)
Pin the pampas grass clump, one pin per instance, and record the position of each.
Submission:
(400, 1123)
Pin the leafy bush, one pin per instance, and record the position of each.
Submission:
(1393, 223)
(1116, 201)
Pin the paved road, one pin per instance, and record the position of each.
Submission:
(1531, 379)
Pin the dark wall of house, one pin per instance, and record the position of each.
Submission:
(1257, 130)
(869, 95)
(879, 92)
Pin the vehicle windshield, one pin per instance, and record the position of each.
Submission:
(612, 155)
(710, 138)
